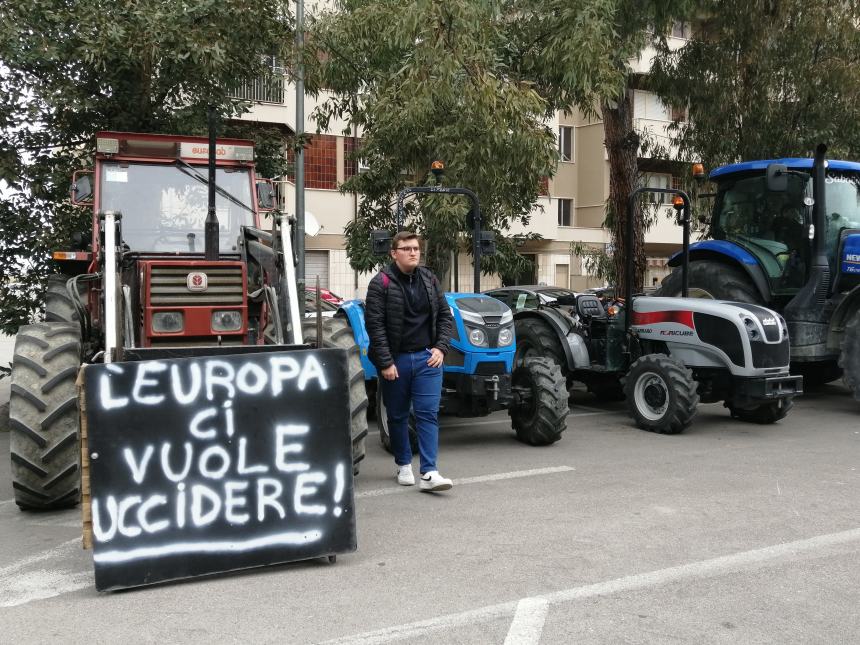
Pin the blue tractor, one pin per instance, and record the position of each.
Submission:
(786, 234)
(479, 372)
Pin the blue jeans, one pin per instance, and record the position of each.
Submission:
(417, 389)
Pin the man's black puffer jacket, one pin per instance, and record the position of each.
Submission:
(384, 312)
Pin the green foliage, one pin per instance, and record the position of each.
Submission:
(597, 262)
(72, 69)
(766, 79)
(470, 82)
(424, 81)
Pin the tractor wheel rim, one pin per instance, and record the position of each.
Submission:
(651, 396)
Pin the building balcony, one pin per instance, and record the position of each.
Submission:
(263, 90)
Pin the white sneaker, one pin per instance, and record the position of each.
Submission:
(434, 482)
(405, 476)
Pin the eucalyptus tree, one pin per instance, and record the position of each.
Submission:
(550, 36)
(765, 79)
(421, 81)
(476, 82)
(70, 69)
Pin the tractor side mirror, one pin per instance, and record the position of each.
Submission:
(777, 177)
(265, 195)
(380, 241)
(488, 243)
(82, 188)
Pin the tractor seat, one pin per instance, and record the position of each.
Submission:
(589, 306)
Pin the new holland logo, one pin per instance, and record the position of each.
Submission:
(197, 281)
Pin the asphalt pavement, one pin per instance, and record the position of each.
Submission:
(730, 532)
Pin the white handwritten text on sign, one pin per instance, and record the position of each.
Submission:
(218, 463)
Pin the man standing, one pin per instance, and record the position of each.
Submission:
(410, 326)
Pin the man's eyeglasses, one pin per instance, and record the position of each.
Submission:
(408, 249)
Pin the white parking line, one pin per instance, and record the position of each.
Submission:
(57, 552)
(528, 622)
(393, 490)
(42, 584)
(48, 578)
(700, 569)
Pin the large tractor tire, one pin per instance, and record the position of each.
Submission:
(540, 416)
(44, 421)
(535, 339)
(58, 304)
(849, 360)
(711, 279)
(382, 423)
(661, 394)
(764, 414)
(337, 334)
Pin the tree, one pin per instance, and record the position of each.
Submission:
(424, 81)
(472, 81)
(68, 70)
(765, 79)
(549, 37)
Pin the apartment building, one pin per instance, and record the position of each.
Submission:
(572, 211)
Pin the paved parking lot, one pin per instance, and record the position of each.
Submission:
(728, 533)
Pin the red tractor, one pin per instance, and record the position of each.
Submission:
(177, 265)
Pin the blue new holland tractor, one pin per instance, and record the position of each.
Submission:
(479, 376)
(785, 234)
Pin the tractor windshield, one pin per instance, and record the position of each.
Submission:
(773, 226)
(843, 209)
(164, 207)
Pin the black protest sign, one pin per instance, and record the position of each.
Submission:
(212, 464)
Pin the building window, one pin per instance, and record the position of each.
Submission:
(658, 180)
(647, 105)
(565, 143)
(565, 212)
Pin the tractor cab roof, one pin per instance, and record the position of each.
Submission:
(131, 145)
(797, 163)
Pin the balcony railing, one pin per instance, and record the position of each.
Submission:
(262, 90)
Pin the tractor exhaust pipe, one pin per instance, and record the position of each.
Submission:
(819, 210)
(211, 226)
(805, 313)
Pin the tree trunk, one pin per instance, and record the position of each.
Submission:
(622, 145)
(438, 259)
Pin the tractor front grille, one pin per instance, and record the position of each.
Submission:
(767, 355)
(490, 368)
(226, 286)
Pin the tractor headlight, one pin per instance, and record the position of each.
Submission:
(477, 337)
(752, 330)
(506, 336)
(226, 320)
(167, 322)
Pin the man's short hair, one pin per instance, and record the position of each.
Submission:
(402, 236)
